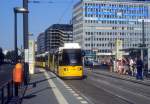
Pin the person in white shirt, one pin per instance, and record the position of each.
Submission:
(132, 67)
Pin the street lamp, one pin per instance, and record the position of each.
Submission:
(20, 10)
(17, 10)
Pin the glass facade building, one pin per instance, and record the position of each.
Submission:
(41, 43)
(97, 24)
(56, 35)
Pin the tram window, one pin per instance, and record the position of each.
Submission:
(72, 59)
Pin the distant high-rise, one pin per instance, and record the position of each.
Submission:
(97, 24)
(41, 43)
(56, 35)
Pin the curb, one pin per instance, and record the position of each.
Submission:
(122, 78)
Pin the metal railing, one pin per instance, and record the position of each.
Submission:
(6, 92)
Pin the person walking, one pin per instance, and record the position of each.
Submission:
(120, 67)
(132, 63)
(126, 66)
(111, 65)
(139, 66)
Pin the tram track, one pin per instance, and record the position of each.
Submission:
(100, 92)
(122, 78)
(98, 96)
(140, 89)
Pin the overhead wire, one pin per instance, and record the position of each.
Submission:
(70, 2)
(47, 1)
(65, 11)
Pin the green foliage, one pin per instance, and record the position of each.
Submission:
(10, 55)
(2, 56)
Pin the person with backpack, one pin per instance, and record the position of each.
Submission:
(139, 66)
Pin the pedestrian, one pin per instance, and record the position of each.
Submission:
(126, 66)
(132, 66)
(139, 66)
(110, 65)
(120, 67)
(17, 77)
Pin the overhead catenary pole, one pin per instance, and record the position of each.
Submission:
(15, 36)
(143, 34)
(25, 25)
(143, 41)
(25, 39)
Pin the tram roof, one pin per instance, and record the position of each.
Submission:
(39, 55)
(70, 46)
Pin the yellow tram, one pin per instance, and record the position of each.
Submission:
(66, 62)
(70, 61)
(40, 61)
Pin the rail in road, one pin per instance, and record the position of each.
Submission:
(133, 79)
(102, 89)
(50, 90)
(93, 89)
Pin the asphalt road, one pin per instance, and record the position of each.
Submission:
(5, 73)
(100, 89)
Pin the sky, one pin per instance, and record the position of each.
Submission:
(41, 16)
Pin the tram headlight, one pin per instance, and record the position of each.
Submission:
(65, 69)
(79, 68)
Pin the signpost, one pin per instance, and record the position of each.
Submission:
(118, 53)
(26, 55)
(31, 56)
(118, 48)
(148, 60)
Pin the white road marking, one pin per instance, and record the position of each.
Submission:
(75, 94)
(60, 98)
(84, 102)
(68, 87)
(83, 96)
(79, 98)
(71, 90)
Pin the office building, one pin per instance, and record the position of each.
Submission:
(41, 43)
(97, 24)
(56, 35)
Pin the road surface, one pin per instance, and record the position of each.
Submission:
(101, 89)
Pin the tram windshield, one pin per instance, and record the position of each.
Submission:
(71, 57)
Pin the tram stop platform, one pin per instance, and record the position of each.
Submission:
(46, 88)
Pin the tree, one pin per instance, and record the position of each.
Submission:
(10, 56)
(2, 56)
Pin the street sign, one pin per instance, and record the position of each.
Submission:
(31, 56)
(31, 51)
(148, 60)
(26, 55)
(118, 48)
